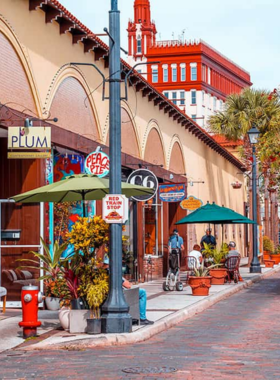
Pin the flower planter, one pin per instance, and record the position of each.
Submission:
(266, 256)
(64, 317)
(276, 258)
(93, 326)
(218, 276)
(200, 285)
(52, 303)
(269, 263)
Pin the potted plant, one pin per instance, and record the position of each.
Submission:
(217, 256)
(55, 291)
(200, 282)
(72, 283)
(53, 277)
(87, 235)
(275, 256)
(268, 247)
(96, 294)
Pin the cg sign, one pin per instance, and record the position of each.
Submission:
(143, 177)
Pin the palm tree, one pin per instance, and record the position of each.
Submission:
(241, 111)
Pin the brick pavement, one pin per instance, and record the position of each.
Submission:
(238, 338)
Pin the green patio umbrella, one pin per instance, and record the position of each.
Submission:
(214, 214)
(80, 187)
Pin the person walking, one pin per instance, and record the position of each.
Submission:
(176, 242)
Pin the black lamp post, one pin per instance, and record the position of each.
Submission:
(115, 316)
(253, 134)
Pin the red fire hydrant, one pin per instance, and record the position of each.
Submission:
(30, 299)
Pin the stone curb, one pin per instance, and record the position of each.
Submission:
(149, 331)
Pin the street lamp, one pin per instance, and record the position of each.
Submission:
(253, 134)
(115, 317)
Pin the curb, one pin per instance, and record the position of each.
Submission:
(149, 331)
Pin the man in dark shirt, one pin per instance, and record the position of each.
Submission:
(208, 239)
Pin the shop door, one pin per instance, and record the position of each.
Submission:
(20, 229)
(153, 227)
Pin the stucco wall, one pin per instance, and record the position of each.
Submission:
(45, 55)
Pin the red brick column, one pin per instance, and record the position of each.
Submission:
(153, 267)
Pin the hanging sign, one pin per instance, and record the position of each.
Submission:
(115, 208)
(29, 138)
(97, 163)
(146, 178)
(172, 192)
(191, 203)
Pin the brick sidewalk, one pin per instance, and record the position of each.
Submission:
(167, 309)
(238, 338)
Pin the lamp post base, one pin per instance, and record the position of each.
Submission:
(116, 323)
(255, 268)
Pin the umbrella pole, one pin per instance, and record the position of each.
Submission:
(84, 205)
(222, 233)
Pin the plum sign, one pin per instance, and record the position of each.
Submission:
(97, 163)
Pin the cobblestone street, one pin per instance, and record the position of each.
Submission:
(238, 338)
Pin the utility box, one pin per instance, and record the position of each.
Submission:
(10, 234)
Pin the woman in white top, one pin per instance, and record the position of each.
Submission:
(197, 254)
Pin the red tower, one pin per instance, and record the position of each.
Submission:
(142, 31)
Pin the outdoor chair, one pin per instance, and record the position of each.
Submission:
(232, 266)
(191, 265)
(3, 293)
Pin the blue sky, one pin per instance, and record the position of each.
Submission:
(246, 31)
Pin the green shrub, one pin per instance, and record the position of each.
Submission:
(268, 244)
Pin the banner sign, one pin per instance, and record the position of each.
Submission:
(172, 192)
(97, 163)
(191, 203)
(115, 208)
(143, 177)
(29, 138)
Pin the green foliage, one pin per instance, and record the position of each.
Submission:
(252, 107)
(217, 254)
(203, 271)
(57, 288)
(96, 292)
(243, 110)
(268, 244)
(50, 263)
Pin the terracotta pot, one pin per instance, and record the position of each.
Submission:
(269, 263)
(276, 258)
(200, 285)
(266, 256)
(218, 276)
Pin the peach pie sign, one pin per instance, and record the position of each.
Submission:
(115, 208)
(97, 163)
